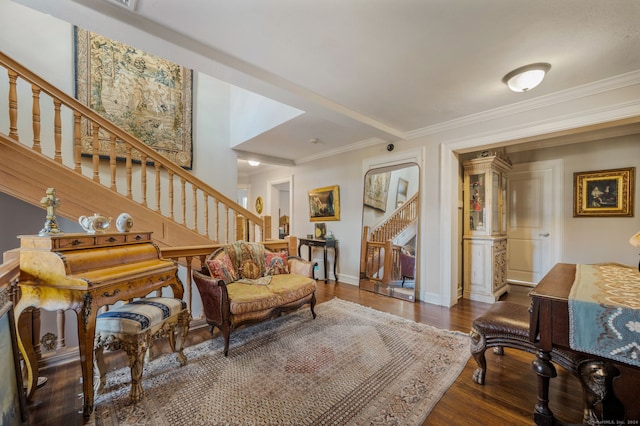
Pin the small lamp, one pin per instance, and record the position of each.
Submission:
(253, 163)
(526, 78)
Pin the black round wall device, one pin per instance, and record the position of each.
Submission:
(390, 147)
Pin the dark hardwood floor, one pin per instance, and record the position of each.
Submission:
(507, 398)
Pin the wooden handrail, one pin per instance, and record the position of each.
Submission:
(397, 222)
(160, 163)
(378, 252)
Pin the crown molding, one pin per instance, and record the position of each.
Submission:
(366, 143)
(552, 125)
(578, 92)
(555, 124)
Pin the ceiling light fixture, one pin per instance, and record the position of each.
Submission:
(129, 4)
(526, 78)
(253, 163)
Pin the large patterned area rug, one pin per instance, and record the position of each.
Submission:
(352, 365)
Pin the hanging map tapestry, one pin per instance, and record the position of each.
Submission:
(147, 96)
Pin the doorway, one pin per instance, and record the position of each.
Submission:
(534, 229)
(279, 206)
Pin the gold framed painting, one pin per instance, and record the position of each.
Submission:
(324, 204)
(604, 193)
(147, 96)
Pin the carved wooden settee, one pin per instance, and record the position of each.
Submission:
(245, 282)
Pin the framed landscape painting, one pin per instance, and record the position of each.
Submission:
(147, 96)
(604, 193)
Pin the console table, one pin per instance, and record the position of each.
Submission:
(325, 244)
(549, 328)
(84, 272)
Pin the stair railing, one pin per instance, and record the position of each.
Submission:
(397, 222)
(380, 259)
(200, 207)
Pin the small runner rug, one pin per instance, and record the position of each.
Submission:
(352, 365)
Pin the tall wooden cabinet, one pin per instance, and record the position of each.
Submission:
(485, 227)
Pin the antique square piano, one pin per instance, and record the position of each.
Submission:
(84, 272)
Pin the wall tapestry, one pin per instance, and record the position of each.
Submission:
(147, 96)
(376, 190)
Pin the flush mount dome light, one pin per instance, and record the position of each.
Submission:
(526, 78)
(254, 163)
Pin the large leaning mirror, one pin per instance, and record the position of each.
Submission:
(390, 215)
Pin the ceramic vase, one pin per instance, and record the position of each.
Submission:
(124, 223)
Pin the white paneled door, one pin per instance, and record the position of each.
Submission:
(534, 220)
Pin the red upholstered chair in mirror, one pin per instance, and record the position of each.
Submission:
(407, 267)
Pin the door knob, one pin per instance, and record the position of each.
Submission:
(543, 235)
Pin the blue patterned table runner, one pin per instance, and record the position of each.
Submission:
(604, 312)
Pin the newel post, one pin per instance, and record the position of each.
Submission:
(266, 228)
(388, 262)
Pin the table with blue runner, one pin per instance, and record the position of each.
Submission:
(604, 312)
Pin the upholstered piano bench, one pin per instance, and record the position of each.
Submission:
(132, 327)
(506, 324)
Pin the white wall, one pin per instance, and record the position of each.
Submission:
(594, 239)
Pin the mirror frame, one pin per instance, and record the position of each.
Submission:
(391, 289)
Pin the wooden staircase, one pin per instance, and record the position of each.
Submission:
(161, 196)
(381, 245)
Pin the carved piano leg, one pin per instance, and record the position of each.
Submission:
(600, 404)
(25, 344)
(542, 414)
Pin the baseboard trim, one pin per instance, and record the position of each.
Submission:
(521, 283)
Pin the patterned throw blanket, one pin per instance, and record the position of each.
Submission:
(604, 312)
